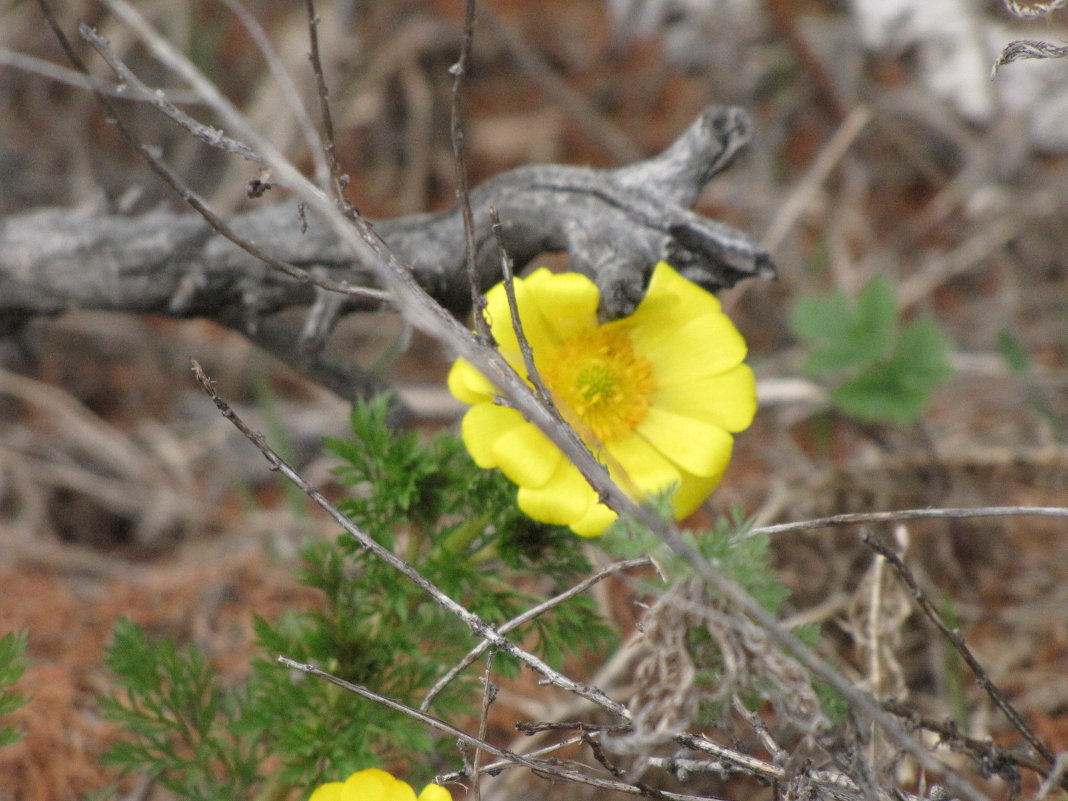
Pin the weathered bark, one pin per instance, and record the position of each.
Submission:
(615, 225)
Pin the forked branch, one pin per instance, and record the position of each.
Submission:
(615, 224)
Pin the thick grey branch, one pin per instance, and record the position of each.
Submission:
(615, 224)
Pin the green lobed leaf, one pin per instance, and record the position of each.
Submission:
(899, 390)
(881, 376)
(922, 353)
(824, 325)
(877, 314)
(844, 336)
(880, 394)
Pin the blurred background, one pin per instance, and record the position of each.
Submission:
(883, 147)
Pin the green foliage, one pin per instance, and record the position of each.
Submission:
(878, 373)
(728, 546)
(744, 557)
(455, 523)
(186, 725)
(843, 335)
(12, 666)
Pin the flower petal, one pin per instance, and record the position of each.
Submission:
(499, 316)
(398, 791)
(645, 469)
(563, 499)
(435, 792)
(692, 492)
(597, 519)
(673, 299)
(727, 400)
(375, 785)
(482, 426)
(696, 446)
(568, 302)
(468, 384)
(703, 346)
(526, 456)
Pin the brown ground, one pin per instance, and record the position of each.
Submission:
(123, 494)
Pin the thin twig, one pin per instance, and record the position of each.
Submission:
(957, 640)
(463, 192)
(285, 82)
(337, 179)
(837, 784)
(742, 762)
(861, 518)
(554, 769)
(210, 136)
(496, 767)
(121, 91)
(508, 280)
(778, 755)
(195, 202)
(327, 308)
(480, 627)
(985, 752)
(489, 695)
(537, 727)
(526, 617)
(600, 756)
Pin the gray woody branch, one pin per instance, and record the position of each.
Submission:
(615, 225)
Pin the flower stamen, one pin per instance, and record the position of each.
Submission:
(600, 384)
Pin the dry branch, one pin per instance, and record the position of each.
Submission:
(615, 224)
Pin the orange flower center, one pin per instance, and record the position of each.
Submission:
(599, 383)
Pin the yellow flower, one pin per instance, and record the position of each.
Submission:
(655, 395)
(376, 785)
